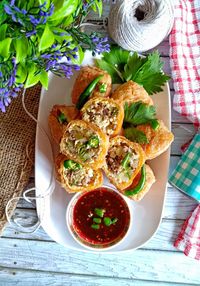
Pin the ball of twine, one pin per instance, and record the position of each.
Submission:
(140, 25)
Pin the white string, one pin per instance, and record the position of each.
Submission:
(44, 193)
(140, 33)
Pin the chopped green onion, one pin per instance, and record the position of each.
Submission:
(93, 142)
(95, 226)
(114, 220)
(155, 124)
(72, 165)
(97, 219)
(107, 221)
(61, 118)
(103, 87)
(125, 161)
(99, 212)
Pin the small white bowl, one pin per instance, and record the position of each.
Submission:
(85, 243)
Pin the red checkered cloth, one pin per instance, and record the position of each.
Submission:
(189, 238)
(185, 59)
(185, 65)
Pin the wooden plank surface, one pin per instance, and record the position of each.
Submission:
(34, 259)
(20, 277)
(142, 264)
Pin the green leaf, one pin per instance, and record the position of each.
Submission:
(139, 113)
(80, 55)
(5, 47)
(133, 66)
(124, 66)
(32, 77)
(111, 70)
(153, 83)
(21, 74)
(117, 57)
(150, 75)
(42, 2)
(47, 39)
(3, 16)
(61, 11)
(99, 7)
(69, 20)
(21, 47)
(3, 29)
(44, 79)
(135, 135)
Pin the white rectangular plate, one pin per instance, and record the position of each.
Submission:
(52, 208)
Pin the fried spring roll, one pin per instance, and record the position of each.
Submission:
(131, 92)
(85, 143)
(159, 139)
(86, 75)
(74, 177)
(59, 117)
(106, 113)
(123, 161)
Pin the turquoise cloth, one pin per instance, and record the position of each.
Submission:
(186, 176)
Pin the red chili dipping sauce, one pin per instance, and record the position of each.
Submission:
(101, 217)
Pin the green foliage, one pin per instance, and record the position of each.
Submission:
(138, 113)
(135, 114)
(31, 29)
(135, 135)
(124, 66)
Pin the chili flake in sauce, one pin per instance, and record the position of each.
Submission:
(114, 207)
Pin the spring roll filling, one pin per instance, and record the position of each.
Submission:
(78, 141)
(115, 161)
(79, 178)
(103, 114)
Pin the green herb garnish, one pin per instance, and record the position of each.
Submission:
(93, 142)
(61, 118)
(135, 114)
(140, 184)
(87, 92)
(108, 221)
(114, 220)
(99, 212)
(103, 87)
(135, 135)
(97, 220)
(72, 165)
(95, 226)
(125, 161)
(124, 66)
(138, 113)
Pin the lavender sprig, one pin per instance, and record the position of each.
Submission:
(37, 39)
(28, 21)
(8, 86)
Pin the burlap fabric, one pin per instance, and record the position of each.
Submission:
(17, 134)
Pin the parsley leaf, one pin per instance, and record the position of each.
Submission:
(117, 57)
(139, 113)
(114, 63)
(113, 72)
(135, 135)
(124, 66)
(133, 66)
(150, 75)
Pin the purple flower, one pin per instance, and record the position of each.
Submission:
(100, 45)
(31, 33)
(8, 10)
(8, 86)
(12, 2)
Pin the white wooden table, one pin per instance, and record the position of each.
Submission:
(37, 260)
